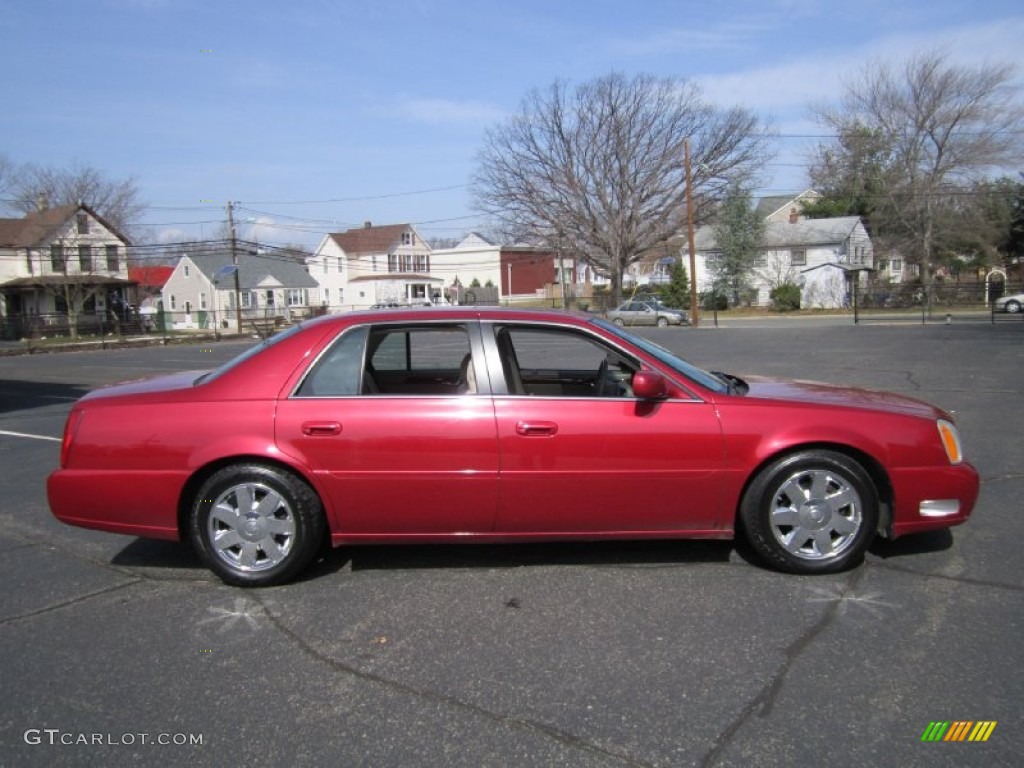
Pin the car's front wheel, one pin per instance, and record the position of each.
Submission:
(662, 322)
(1013, 307)
(256, 525)
(811, 512)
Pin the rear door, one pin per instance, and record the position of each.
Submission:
(393, 433)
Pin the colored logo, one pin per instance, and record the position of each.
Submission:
(958, 730)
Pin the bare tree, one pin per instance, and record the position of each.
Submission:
(933, 126)
(601, 167)
(117, 201)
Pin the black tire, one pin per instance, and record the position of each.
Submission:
(662, 322)
(811, 512)
(1013, 307)
(279, 536)
(619, 321)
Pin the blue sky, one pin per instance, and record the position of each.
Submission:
(317, 115)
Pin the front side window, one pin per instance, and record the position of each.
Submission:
(555, 362)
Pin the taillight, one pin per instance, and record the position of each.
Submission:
(70, 430)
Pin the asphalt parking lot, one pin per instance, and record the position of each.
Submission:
(116, 650)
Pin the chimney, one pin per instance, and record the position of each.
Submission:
(42, 202)
(794, 217)
(367, 224)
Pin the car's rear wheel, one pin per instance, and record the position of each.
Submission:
(256, 525)
(1013, 306)
(811, 512)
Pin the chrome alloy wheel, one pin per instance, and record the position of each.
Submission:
(816, 514)
(251, 527)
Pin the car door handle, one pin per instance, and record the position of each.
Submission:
(321, 428)
(536, 428)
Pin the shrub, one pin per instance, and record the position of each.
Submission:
(785, 297)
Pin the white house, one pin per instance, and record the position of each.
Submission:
(60, 264)
(200, 293)
(822, 256)
(372, 265)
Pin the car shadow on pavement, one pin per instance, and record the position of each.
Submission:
(158, 553)
(18, 395)
(623, 554)
(913, 544)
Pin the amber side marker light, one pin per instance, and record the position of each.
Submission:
(950, 441)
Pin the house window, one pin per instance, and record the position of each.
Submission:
(327, 296)
(761, 260)
(896, 265)
(202, 299)
(394, 265)
(83, 223)
(339, 265)
(247, 299)
(58, 261)
(408, 238)
(798, 258)
(422, 262)
(296, 297)
(113, 258)
(374, 263)
(883, 265)
(85, 258)
(174, 303)
(186, 270)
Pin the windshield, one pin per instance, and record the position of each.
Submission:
(702, 377)
(253, 350)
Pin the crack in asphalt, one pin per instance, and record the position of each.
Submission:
(943, 577)
(764, 701)
(67, 603)
(562, 737)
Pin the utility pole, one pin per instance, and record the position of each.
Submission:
(694, 320)
(234, 261)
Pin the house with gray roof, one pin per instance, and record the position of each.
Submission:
(822, 256)
(271, 288)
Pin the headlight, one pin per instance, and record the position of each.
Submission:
(950, 441)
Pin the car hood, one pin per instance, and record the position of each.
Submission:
(819, 393)
(165, 383)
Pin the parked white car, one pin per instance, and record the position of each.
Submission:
(1012, 303)
(647, 312)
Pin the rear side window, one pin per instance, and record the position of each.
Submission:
(339, 371)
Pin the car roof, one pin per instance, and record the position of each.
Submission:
(416, 314)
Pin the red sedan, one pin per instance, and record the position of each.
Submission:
(442, 425)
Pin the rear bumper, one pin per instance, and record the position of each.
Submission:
(134, 503)
(931, 498)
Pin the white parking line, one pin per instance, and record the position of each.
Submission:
(33, 437)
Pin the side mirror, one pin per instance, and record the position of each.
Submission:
(650, 385)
